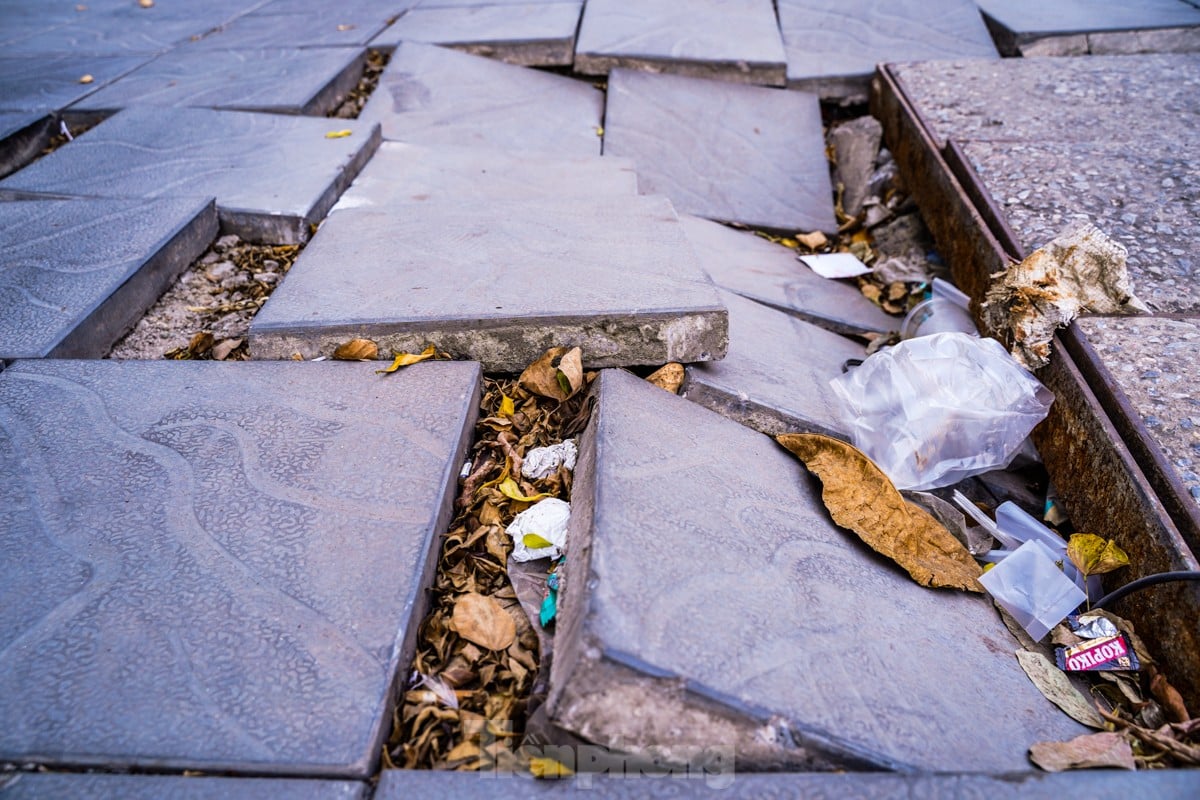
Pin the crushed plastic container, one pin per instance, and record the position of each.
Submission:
(1029, 585)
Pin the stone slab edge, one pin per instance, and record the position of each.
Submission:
(748, 411)
(331, 95)
(26, 144)
(760, 73)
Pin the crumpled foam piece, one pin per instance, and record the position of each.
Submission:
(542, 462)
(548, 519)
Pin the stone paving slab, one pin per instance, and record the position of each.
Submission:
(711, 603)
(775, 377)
(112, 33)
(834, 45)
(53, 83)
(75, 275)
(248, 162)
(401, 174)
(275, 81)
(733, 40)
(1080, 27)
(1146, 196)
(770, 274)
(332, 28)
(533, 34)
(500, 283)
(723, 151)
(435, 96)
(211, 567)
(70, 786)
(23, 136)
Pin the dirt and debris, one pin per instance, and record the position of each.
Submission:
(353, 105)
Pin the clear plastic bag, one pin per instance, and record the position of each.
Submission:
(937, 409)
(1031, 587)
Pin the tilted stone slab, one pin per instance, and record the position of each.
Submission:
(210, 567)
(734, 40)
(96, 786)
(541, 34)
(770, 274)
(55, 82)
(711, 603)
(1080, 27)
(775, 377)
(723, 151)
(436, 96)
(75, 275)
(275, 81)
(834, 45)
(401, 174)
(273, 176)
(500, 283)
(23, 136)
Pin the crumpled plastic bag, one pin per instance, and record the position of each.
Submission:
(542, 462)
(934, 410)
(547, 519)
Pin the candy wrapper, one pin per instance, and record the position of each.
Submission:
(1106, 654)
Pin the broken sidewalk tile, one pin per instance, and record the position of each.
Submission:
(775, 377)
(279, 81)
(834, 45)
(273, 176)
(400, 174)
(98, 786)
(219, 556)
(770, 674)
(766, 272)
(51, 83)
(1083, 27)
(75, 275)
(724, 151)
(731, 40)
(23, 137)
(432, 95)
(533, 34)
(500, 284)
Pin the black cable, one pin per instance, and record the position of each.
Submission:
(1142, 583)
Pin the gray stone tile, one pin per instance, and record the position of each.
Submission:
(775, 377)
(69, 786)
(834, 45)
(734, 40)
(475, 3)
(75, 275)
(533, 34)
(258, 30)
(500, 283)
(751, 266)
(111, 34)
(435, 96)
(276, 81)
(723, 151)
(210, 568)
(348, 10)
(23, 136)
(52, 83)
(401, 174)
(708, 592)
(1080, 27)
(248, 162)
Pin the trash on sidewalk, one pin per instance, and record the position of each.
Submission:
(1094, 655)
(945, 311)
(836, 265)
(1029, 585)
(976, 538)
(542, 462)
(937, 409)
(1080, 270)
(540, 531)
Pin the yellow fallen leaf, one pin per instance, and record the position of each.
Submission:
(861, 498)
(791, 244)
(1094, 555)
(342, 134)
(86, 79)
(406, 359)
(146, 3)
(356, 350)
(668, 377)
(549, 769)
(345, 27)
(507, 406)
(535, 542)
(599, 130)
(482, 620)
(508, 487)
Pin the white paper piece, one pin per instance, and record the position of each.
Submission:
(542, 462)
(548, 519)
(836, 265)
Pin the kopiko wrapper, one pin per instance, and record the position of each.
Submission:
(1107, 654)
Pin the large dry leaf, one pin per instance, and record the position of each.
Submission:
(860, 497)
(1095, 555)
(482, 620)
(1056, 686)
(668, 377)
(541, 377)
(570, 371)
(1089, 751)
(407, 359)
(356, 350)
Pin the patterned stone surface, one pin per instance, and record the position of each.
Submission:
(500, 283)
(734, 40)
(1153, 362)
(276, 81)
(834, 45)
(711, 603)
(434, 96)
(541, 34)
(53, 83)
(125, 29)
(755, 268)
(400, 174)
(1079, 27)
(273, 176)
(67, 786)
(775, 377)
(23, 136)
(333, 28)
(211, 567)
(723, 151)
(76, 274)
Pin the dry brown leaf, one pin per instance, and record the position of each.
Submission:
(357, 350)
(570, 371)
(85, 79)
(860, 497)
(668, 377)
(1095, 555)
(1093, 750)
(146, 3)
(813, 241)
(541, 377)
(221, 350)
(482, 620)
(1168, 696)
(200, 343)
(1056, 686)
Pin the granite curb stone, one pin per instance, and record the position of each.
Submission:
(74, 786)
